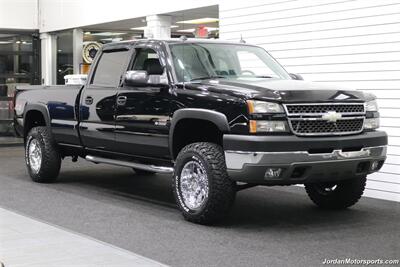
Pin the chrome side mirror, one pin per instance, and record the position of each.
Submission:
(136, 77)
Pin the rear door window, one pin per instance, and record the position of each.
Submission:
(110, 68)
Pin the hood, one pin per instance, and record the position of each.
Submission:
(282, 90)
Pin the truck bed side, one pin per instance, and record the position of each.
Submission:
(57, 106)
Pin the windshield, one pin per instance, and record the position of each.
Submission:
(197, 61)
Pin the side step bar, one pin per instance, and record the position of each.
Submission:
(152, 168)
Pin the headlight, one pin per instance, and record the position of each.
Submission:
(255, 106)
(268, 126)
(371, 123)
(371, 106)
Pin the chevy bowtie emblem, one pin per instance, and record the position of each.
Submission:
(331, 116)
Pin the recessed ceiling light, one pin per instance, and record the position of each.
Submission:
(139, 28)
(87, 33)
(5, 42)
(186, 30)
(108, 33)
(198, 21)
(18, 42)
(174, 26)
(211, 29)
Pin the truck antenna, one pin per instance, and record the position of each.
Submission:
(242, 40)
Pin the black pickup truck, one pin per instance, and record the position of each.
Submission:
(219, 116)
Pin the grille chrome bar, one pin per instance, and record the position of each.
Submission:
(342, 108)
(306, 119)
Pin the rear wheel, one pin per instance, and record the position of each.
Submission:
(202, 188)
(41, 155)
(336, 195)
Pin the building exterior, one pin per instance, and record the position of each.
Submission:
(353, 43)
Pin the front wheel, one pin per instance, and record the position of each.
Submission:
(202, 188)
(41, 155)
(336, 195)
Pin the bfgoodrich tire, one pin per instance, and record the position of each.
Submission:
(336, 195)
(203, 191)
(41, 155)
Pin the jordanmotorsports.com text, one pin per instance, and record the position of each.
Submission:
(361, 261)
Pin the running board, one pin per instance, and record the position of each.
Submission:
(151, 168)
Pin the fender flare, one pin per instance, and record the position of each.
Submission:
(215, 117)
(37, 107)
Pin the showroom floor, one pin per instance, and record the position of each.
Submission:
(27, 242)
(268, 226)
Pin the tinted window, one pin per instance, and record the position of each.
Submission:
(142, 56)
(110, 68)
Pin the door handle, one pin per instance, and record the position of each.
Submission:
(89, 100)
(121, 100)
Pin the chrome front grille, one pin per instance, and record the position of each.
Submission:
(325, 118)
(319, 109)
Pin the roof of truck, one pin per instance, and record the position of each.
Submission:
(116, 45)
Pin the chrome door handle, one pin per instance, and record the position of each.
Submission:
(121, 100)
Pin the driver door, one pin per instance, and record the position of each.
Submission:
(143, 112)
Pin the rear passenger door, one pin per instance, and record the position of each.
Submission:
(98, 99)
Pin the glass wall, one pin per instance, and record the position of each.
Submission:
(19, 64)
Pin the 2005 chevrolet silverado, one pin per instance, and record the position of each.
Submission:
(220, 116)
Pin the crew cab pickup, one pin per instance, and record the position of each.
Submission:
(219, 116)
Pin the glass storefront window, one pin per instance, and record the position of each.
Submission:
(19, 64)
(64, 56)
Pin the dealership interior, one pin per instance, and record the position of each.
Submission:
(25, 58)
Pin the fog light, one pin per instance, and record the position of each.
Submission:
(273, 173)
(374, 165)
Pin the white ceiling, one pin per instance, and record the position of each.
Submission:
(126, 25)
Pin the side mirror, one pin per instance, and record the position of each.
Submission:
(295, 76)
(136, 77)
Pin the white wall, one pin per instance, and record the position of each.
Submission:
(354, 43)
(64, 14)
(19, 14)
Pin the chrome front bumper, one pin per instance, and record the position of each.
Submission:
(302, 166)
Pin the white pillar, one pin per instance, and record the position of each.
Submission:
(158, 26)
(49, 58)
(77, 44)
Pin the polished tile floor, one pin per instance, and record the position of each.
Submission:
(28, 242)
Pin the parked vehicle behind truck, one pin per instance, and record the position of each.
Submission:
(219, 116)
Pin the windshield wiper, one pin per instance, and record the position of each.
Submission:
(208, 77)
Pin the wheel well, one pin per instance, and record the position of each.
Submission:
(188, 131)
(33, 118)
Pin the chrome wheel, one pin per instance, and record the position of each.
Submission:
(194, 185)
(34, 155)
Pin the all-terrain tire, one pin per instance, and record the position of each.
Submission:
(50, 159)
(337, 195)
(221, 190)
